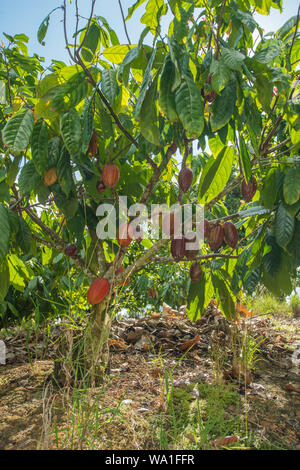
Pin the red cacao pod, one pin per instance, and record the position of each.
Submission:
(98, 290)
(178, 247)
(185, 179)
(195, 272)
(100, 187)
(216, 236)
(123, 236)
(93, 145)
(231, 235)
(170, 224)
(191, 238)
(249, 189)
(71, 250)
(110, 175)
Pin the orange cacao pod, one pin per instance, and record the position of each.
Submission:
(110, 175)
(123, 236)
(50, 176)
(98, 290)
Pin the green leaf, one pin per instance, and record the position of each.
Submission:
(221, 75)
(283, 227)
(154, 9)
(144, 86)
(70, 128)
(232, 58)
(199, 296)
(291, 185)
(42, 31)
(223, 106)
(270, 190)
(87, 126)
(91, 41)
(287, 27)
(212, 182)
(109, 85)
(245, 159)
(23, 235)
(39, 146)
(225, 296)
(28, 178)
(132, 9)
(190, 106)
(255, 210)
(64, 172)
(148, 115)
(166, 95)
(4, 279)
(4, 232)
(17, 132)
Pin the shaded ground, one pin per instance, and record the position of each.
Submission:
(167, 375)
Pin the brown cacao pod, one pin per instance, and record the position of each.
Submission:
(185, 179)
(50, 176)
(178, 247)
(100, 187)
(195, 272)
(123, 236)
(93, 145)
(170, 224)
(206, 228)
(98, 290)
(71, 250)
(172, 148)
(249, 189)
(110, 175)
(191, 253)
(216, 236)
(231, 235)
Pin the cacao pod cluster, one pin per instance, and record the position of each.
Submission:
(217, 233)
(249, 189)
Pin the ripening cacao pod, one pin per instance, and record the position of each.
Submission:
(185, 179)
(50, 176)
(249, 189)
(170, 224)
(195, 272)
(123, 236)
(178, 247)
(191, 238)
(110, 175)
(98, 290)
(172, 148)
(215, 237)
(100, 187)
(71, 250)
(120, 270)
(231, 235)
(93, 145)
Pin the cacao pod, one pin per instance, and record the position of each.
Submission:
(71, 250)
(172, 148)
(170, 224)
(249, 189)
(215, 237)
(98, 290)
(190, 239)
(93, 145)
(185, 179)
(50, 176)
(178, 247)
(206, 228)
(123, 236)
(231, 235)
(110, 175)
(195, 272)
(100, 187)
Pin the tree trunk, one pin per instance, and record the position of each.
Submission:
(83, 359)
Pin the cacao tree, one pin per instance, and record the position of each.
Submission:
(191, 113)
